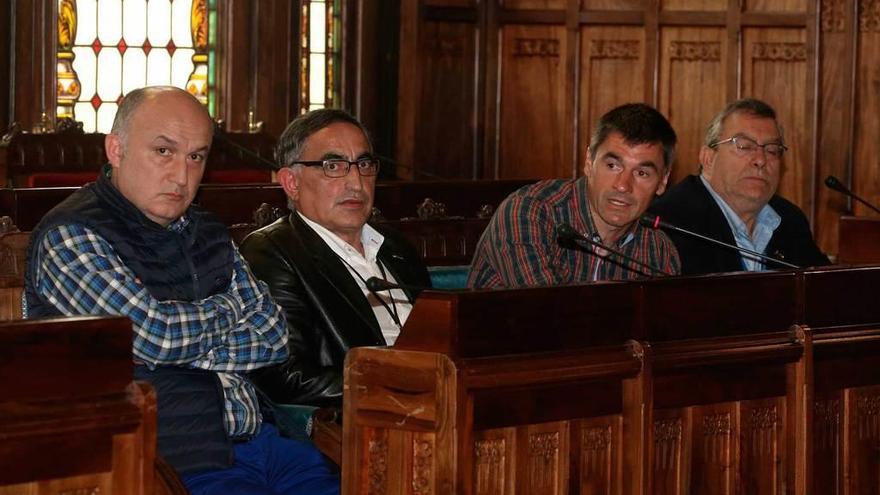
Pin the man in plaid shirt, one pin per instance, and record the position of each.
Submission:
(131, 244)
(628, 164)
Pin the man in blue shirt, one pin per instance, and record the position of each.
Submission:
(131, 244)
(734, 198)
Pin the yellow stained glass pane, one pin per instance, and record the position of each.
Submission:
(109, 21)
(317, 27)
(133, 25)
(134, 69)
(106, 113)
(159, 22)
(86, 17)
(109, 70)
(181, 33)
(158, 68)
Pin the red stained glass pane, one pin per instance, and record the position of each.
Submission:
(96, 46)
(171, 47)
(121, 46)
(96, 102)
(147, 47)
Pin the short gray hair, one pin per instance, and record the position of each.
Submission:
(135, 99)
(750, 106)
(292, 141)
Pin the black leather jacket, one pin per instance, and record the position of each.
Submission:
(327, 313)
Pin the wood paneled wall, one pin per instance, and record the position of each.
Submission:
(512, 88)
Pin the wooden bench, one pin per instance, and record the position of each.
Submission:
(858, 240)
(72, 159)
(71, 418)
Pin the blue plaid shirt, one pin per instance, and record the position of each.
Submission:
(232, 332)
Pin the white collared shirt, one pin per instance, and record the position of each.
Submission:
(362, 267)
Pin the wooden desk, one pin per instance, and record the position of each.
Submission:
(858, 240)
(536, 390)
(71, 418)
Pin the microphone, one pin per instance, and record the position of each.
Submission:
(565, 232)
(654, 221)
(376, 284)
(834, 183)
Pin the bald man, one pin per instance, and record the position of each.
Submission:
(132, 244)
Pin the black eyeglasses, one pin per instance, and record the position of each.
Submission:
(748, 146)
(338, 167)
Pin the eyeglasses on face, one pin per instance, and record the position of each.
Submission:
(338, 167)
(748, 146)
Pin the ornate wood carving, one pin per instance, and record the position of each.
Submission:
(832, 16)
(536, 47)
(762, 423)
(378, 452)
(780, 52)
(543, 459)
(869, 16)
(703, 51)
(826, 420)
(716, 424)
(616, 49)
(595, 452)
(449, 49)
(868, 420)
(423, 462)
(489, 465)
(667, 440)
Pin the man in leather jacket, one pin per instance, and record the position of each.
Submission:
(317, 259)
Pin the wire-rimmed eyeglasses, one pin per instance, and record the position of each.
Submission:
(339, 167)
(748, 146)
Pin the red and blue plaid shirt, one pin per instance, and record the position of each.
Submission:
(519, 247)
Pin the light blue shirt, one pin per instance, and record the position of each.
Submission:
(765, 224)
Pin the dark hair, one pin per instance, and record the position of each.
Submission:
(290, 144)
(751, 106)
(639, 124)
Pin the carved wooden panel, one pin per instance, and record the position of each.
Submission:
(423, 460)
(866, 168)
(776, 5)
(612, 4)
(612, 65)
(863, 418)
(377, 454)
(447, 76)
(692, 61)
(835, 126)
(599, 442)
(762, 452)
(775, 69)
(534, 4)
(494, 455)
(697, 5)
(715, 448)
(532, 127)
(827, 424)
(542, 459)
(672, 451)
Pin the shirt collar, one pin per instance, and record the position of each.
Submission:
(767, 218)
(371, 239)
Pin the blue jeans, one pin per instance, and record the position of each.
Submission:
(269, 465)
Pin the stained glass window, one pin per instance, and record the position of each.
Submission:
(321, 30)
(106, 48)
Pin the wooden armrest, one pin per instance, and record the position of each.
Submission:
(327, 433)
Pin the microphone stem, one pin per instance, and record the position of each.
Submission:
(860, 200)
(620, 254)
(723, 244)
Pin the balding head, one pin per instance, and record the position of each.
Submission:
(134, 100)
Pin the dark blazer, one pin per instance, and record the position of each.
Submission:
(327, 313)
(689, 205)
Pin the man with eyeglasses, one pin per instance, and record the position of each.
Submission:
(734, 198)
(317, 259)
